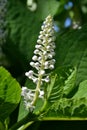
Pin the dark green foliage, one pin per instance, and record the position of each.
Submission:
(23, 32)
(10, 93)
(72, 50)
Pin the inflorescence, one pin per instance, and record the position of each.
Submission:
(42, 61)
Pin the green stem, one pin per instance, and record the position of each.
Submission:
(39, 82)
(37, 90)
(30, 117)
(41, 111)
(27, 125)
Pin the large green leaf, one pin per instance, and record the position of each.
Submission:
(23, 28)
(62, 82)
(70, 108)
(72, 50)
(10, 93)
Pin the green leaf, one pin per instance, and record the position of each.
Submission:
(75, 107)
(22, 110)
(62, 82)
(70, 83)
(68, 109)
(82, 90)
(10, 93)
(54, 89)
(46, 7)
(71, 49)
(22, 37)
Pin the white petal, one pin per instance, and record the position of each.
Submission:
(41, 72)
(51, 67)
(32, 64)
(39, 41)
(34, 58)
(36, 51)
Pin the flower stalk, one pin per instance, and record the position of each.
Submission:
(42, 61)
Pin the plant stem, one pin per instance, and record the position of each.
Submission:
(39, 82)
(30, 117)
(27, 125)
(37, 90)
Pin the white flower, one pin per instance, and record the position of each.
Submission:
(30, 73)
(41, 94)
(28, 95)
(36, 51)
(32, 64)
(39, 41)
(51, 67)
(42, 72)
(47, 79)
(35, 80)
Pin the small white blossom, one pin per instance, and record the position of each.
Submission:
(39, 59)
(24, 91)
(51, 67)
(28, 95)
(44, 41)
(48, 47)
(32, 64)
(34, 58)
(42, 72)
(35, 80)
(44, 52)
(36, 51)
(39, 41)
(47, 79)
(50, 56)
(30, 73)
(41, 94)
(38, 46)
(42, 27)
(46, 63)
(41, 36)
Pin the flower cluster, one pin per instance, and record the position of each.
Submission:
(3, 10)
(28, 95)
(41, 62)
(43, 53)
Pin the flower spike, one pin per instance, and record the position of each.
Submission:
(41, 61)
(44, 49)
